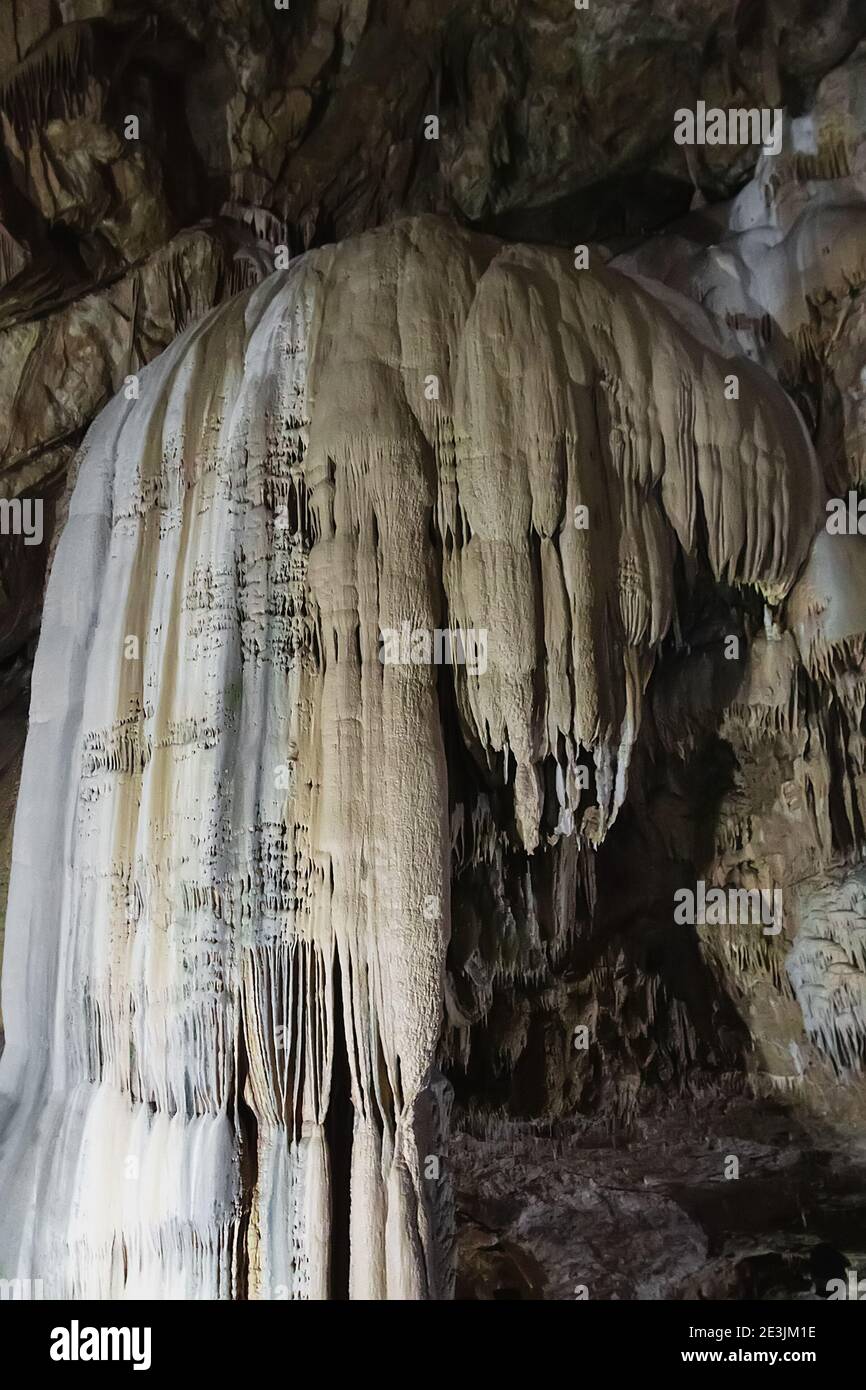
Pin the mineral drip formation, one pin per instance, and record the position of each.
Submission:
(230, 901)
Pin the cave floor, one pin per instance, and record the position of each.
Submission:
(652, 1215)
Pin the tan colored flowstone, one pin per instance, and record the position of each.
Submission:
(246, 811)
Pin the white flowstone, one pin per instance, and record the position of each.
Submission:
(191, 938)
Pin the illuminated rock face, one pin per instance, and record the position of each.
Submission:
(248, 816)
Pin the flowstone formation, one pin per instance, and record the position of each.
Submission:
(223, 1007)
(625, 1053)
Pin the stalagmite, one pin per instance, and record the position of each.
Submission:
(248, 815)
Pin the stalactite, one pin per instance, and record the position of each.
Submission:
(13, 257)
(51, 80)
(256, 800)
(827, 965)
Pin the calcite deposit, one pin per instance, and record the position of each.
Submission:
(435, 460)
(254, 812)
